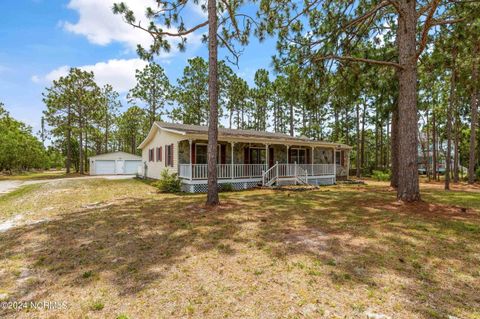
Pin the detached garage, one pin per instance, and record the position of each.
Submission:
(116, 163)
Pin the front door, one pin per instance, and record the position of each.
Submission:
(271, 159)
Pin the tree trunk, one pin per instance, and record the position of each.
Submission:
(456, 177)
(212, 196)
(357, 159)
(80, 142)
(362, 146)
(394, 146)
(434, 145)
(68, 162)
(427, 167)
(451, 105)
(408, 188)
(474, 116)
(292, 116)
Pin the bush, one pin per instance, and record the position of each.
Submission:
(225, 187)
(478, 173)
(168, 182)
(381, 176)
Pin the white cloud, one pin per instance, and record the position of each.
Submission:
(120, 73)
(98, 23)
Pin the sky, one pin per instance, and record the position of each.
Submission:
(42, 39)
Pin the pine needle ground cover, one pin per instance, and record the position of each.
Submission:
(119, 249)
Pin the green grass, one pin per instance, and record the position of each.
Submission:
(40, 175)
(118, 246)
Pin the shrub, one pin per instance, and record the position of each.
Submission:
(478, 173)
(225, 187)
(381, 176)
(168, 182)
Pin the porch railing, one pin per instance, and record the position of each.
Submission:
(200, 171)
(237, 171)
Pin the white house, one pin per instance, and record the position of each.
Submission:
(246, 158)
(116, 163)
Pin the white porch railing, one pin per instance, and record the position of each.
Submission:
(200, 171)
(237, 171)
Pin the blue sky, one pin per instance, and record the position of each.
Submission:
(41, 39)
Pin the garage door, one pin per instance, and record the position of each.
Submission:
(131, 167)
(104, 167)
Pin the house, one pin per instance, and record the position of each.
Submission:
(246, 158)
(115, 163)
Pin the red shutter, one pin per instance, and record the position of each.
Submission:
(246, 155)
(171, 155)
(193, 155)
(160, 153)
(223, 155)
(166, 155)
(271, 159)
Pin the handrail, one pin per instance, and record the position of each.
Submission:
(270, 175)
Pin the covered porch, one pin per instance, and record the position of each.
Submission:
(251, 161)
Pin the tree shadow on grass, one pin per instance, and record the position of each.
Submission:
(355, 235)
(360, 237)
(137, 240)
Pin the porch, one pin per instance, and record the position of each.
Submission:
(242, 171)
(262, 163)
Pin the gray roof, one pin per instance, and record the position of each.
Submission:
(226, 132)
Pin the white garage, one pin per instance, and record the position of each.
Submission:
(116, 163)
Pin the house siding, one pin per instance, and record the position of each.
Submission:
(161, 139)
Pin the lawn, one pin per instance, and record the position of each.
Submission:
(118, 249)
(38, 175)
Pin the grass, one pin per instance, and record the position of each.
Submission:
(38, 175)
(118, 249)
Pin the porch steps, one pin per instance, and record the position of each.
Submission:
(272, 177)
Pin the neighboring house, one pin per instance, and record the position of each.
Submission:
(246, 158)
(116, 163)
(425, 155)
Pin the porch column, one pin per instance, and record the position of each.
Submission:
(313, 151)
(347, 154)
(288, 149)
(266, 156)
(232, 145)
(190, 158)
(335, 165)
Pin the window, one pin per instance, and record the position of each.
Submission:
(150, 155)
(258, 156)
(338, 157)
(169, 155)
(298, 155)
(201, 154)
(159, 154)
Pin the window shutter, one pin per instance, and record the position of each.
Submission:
(193, 154)
(160, 153)
(223, 155)
(246, 155)
(171, 155)
(166, 155)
